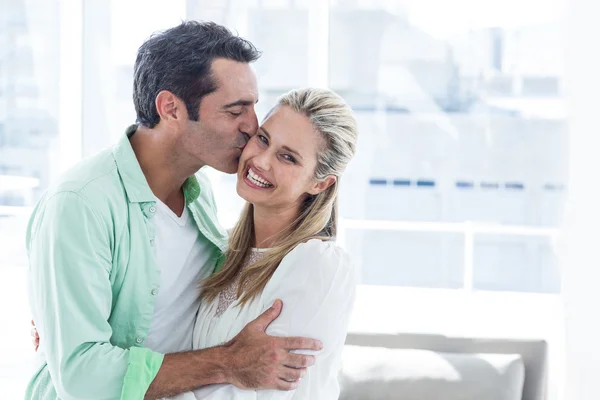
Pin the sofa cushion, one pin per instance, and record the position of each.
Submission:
(380, 374)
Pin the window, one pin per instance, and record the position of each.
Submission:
(462, 150)
(29, 149)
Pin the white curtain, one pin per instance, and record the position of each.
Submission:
(581, 259)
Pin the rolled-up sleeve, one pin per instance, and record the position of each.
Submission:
(70, 252)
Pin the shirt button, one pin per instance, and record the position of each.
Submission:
(151, 242)
(139, 340)
(152, 209)
(153, 292)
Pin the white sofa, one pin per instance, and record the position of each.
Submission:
(434, 367)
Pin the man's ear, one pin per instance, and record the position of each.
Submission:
(169, 106)
(323, 185)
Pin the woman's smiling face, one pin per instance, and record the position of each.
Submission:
(278, 164)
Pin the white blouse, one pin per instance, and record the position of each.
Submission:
(317, 285)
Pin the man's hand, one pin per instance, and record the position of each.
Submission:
(251, 360)
(35, 338)
(259, 361)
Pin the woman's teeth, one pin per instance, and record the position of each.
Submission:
(257, 180)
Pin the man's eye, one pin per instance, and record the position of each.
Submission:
(235, 114)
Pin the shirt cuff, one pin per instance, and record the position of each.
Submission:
(142, 367)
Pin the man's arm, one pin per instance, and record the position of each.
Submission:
(183, 372)
(252, 360)
(70, 260)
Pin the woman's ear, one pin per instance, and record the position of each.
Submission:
(321, 186)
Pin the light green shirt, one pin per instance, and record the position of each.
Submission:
(94, 278)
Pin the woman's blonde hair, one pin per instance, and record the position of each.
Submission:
(335, 122)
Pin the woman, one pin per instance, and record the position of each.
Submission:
(282, 246)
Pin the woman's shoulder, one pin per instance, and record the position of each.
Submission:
(314, 268)
(315, 254)
(316, 248)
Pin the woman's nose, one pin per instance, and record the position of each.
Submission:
(262, 161)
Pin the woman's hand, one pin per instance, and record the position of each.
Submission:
(35, 338)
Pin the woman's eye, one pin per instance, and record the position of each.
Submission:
(263, 139)
(289, 158)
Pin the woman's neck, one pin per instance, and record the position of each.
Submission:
(269, 223)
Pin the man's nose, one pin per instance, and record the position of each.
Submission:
(250, 123)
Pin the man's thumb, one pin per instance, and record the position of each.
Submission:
(269, 315)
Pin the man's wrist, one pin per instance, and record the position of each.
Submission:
(216, 362)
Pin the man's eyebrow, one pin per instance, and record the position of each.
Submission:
(240, 103)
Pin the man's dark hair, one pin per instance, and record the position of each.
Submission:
(179, 60)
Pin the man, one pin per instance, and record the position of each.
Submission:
(117, 247)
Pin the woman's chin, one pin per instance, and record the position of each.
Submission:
(245, 192)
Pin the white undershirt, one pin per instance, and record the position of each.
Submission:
(182, 255)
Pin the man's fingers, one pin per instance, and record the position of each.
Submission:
(268, 316)
(292, 374)
(299, 343)
(299, 360)
(285, 385)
